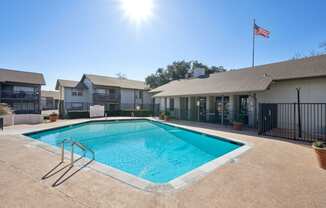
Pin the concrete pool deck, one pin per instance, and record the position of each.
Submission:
(274, 173)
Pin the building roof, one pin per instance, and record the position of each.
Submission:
(53, 94)
(7, 75)
(115, 82)
(246, 79)
(65, 83)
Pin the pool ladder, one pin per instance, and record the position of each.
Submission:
(73, 144)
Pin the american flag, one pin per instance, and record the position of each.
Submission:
(261, 31)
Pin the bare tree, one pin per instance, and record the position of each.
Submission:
(322, 45)
(121, 76)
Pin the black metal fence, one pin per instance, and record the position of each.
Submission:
(304, 121)
(210, 116)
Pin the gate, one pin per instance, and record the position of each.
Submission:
(303, 121)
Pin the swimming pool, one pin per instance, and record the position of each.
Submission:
(147, 149)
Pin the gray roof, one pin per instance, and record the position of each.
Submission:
(53, 94)
(65, 83)
(246, 79)
(7, 75)
(115, 82)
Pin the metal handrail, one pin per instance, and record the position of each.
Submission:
(81, 146)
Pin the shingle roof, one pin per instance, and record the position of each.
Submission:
(246, 79)
(65, 83)
(116, 82)
(294, 69)
(53, 94)
(7, 75)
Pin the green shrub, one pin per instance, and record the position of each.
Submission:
(73, 115)
(239, 118)
(4, 109)
(162, 115)
(320, 144)
(128, 113)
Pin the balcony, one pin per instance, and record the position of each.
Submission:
(21, 95)
(101, 98)
(76, 106)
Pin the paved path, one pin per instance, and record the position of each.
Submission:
(273, 174)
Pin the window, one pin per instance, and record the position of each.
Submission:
(24, 89)
(76, 92)
(172, 104)
(111, 91)
(24, 107)
(139, 94)
(49, 101)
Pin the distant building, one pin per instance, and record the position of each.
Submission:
(225, 96)
(21, 90)
(50, 100)
(114, 94)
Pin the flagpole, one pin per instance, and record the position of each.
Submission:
(253, 44)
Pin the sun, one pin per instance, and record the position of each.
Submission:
(137, 11)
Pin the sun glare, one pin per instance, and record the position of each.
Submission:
(137, 11)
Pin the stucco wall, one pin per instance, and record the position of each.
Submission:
(13, 119)
(147, 98)
(127, 99)
(162, 104)
(312, 91)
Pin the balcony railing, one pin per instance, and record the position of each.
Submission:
(76, 106)
(81, 106)
(106, 97)
(19, 95)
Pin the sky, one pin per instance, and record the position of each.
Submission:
(65, 39)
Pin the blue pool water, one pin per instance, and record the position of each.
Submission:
(147, 149)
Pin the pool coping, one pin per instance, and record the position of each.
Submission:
(176, 184)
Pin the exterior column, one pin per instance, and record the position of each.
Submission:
(207, 108)
(255, 110)
(189, 108)
(222, 118)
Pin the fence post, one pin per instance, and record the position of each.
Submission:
(260, 119)
(299, 112)
(295, 120)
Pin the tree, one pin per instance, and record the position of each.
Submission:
(323, 46)
(121, 76)
(320, 51)
(178, 70)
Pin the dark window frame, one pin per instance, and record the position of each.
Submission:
(171, 104)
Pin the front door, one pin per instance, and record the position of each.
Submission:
(184, 108)
(202, 108)
(243, 108)
(222, 110)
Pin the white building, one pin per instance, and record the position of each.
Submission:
(223, 96)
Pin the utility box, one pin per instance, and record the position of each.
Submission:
(96, 111)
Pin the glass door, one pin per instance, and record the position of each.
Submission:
(222, 110)
(243, 108)
(202, 108)
(184, 108)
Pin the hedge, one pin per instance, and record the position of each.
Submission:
(72, 115)
(140, 113)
